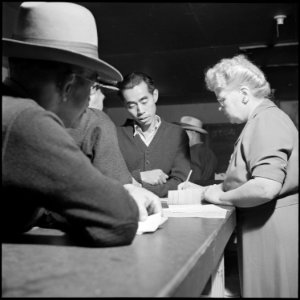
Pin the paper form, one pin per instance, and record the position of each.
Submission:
(195, 210)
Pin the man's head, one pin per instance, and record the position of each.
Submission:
(193, 128)
(61, 88)
(55, 57)
(140, 96)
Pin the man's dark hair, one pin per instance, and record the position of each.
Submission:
(133, 79)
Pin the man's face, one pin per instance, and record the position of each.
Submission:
(77, 102)
(141, 104)
(230, 101)
(96, 100)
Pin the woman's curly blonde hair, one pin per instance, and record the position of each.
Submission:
(237, 71)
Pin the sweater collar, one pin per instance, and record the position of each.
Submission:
(138, 130)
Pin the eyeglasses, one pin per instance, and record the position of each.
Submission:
(94, 87)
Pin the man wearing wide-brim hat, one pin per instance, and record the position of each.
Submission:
(53, 66)
(203, 160)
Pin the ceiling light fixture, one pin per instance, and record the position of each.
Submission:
(279, 21)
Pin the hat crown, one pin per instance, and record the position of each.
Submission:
(191, 121)
(59, 31)
(56, 21)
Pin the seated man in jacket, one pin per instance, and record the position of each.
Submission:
(156, 152)
(53, 67)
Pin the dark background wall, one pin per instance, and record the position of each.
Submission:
(176, 42)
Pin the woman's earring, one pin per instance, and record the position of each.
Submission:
(245, 100)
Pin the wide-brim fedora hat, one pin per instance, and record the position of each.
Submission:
(59, 31)
(191, 123)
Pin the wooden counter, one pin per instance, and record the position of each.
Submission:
(176, 260)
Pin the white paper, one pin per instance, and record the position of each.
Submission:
(195, 210)
(151, 224)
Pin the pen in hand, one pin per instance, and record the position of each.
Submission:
(188, 178)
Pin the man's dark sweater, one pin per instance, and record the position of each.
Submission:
(168, 151)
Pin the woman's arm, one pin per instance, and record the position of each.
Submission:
(254, 192)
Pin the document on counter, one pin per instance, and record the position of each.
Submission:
(190, 203)
(151, 224)
(195, 211)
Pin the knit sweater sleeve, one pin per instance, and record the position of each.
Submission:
(42, 162)
(179, 170)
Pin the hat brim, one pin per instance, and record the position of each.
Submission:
(190, 127)
(106, 72)
(107, 87)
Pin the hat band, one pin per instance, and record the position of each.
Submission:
(82, 48)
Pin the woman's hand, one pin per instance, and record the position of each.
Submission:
(213, 193)
(188, 185)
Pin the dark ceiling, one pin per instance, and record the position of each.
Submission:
(176, 42)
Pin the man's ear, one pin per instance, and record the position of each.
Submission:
(155, 95)
(67, 88)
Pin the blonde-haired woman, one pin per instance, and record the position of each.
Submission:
(261, 180)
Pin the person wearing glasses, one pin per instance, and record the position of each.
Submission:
(97, 97)
(156, 152)
(53, 66)
(96, 136)
(261, 180)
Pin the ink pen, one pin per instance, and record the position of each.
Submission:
(188, 178)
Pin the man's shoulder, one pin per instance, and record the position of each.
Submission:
(99, 118)
(127, 126)
(17, 103)
(25, 117)
(97, 114)
(14, 106)
(125, 131)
